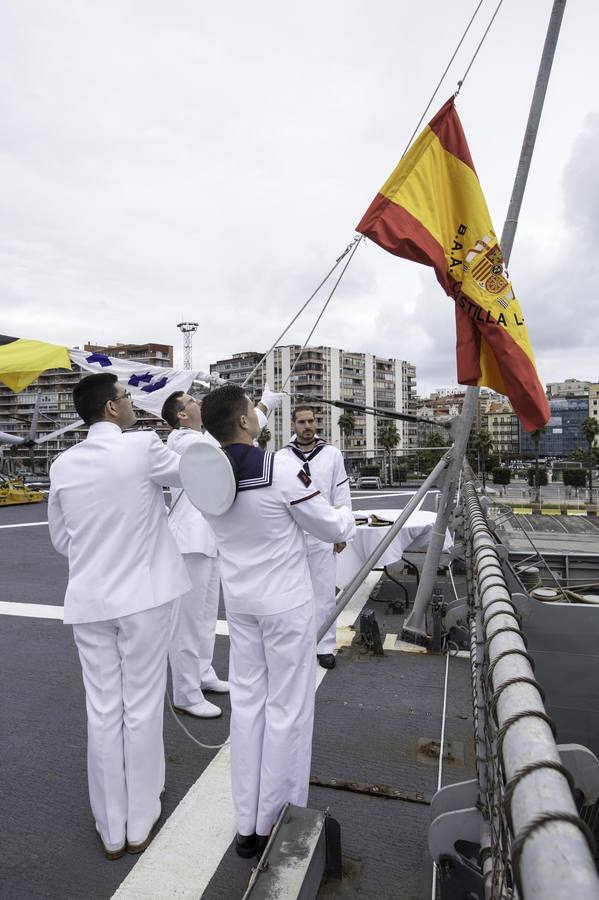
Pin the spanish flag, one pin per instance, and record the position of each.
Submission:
(432, 210)
(21, 361)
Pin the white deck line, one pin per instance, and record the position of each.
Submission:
(23, 525)
(46, 611)
(180, 862)
(31, 610)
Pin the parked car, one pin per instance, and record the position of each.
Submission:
(369, 481)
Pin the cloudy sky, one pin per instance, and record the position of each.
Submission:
(162, 161)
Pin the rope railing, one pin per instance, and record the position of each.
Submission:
(538, 846)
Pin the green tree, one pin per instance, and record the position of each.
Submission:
(346, 423)
(537, 478)
(264, 437)
(483, 444)
(428, 459)
(589, 430)
(502, 475)
(389, 439)
(574, 477)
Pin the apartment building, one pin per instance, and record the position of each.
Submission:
(571, 387)
(504, 428)
(332, 374)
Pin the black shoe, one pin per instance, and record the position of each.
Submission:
(326, 660)
(245, 844)
(261, 842)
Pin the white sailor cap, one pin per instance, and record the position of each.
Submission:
(208, 478)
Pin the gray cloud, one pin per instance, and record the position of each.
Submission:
(212, 162)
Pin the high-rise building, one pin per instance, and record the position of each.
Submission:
(332, 374)
(55, 388)
(562, 435)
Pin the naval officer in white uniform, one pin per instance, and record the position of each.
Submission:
(194, 614)
(106, 514)
(324, 465)
(270, 611)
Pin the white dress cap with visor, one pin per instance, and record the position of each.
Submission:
(208, 479)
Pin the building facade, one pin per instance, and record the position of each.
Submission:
(504, 429)
(561, 435)
(594, 405)
(331, 374)
(571, 387)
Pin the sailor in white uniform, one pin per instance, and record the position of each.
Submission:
(106, 514)
(195, 614)
(324, 464)
(193, 626)
(270, 611)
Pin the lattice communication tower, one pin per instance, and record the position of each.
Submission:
(187, 329)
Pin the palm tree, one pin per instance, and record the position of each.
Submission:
(389, 439)
(590, 430)
(346, 423)
(483, 444)
(536, 439)
(264, 437)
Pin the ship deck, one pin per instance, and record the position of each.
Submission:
(377, 719)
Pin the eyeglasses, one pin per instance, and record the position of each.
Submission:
(125, 396)
(191, 400)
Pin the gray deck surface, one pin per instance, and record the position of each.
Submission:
(370, 713)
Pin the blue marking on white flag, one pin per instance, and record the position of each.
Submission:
(157, 386)
(99, 358)
(135, 380)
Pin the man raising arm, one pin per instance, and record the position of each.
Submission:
(270, 611)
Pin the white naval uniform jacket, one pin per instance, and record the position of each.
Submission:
(190, 529)
(325, 467)
(260, 538)
(106, 514)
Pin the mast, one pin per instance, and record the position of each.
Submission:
(414, 628)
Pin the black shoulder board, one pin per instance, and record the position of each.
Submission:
(304, 478)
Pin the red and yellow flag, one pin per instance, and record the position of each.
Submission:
(432, 210)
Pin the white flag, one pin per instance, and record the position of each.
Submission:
(149, 385)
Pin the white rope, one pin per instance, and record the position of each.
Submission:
(481, 42)
(320, 315)
(188, 733)
(300, 311)
(434, 94)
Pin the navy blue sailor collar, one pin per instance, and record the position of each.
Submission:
(253, 466)
(306, 457)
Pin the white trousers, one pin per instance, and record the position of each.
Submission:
(323, 572)
(193, 628)
(124, 673)
(271, 680)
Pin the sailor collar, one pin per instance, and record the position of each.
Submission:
(306, 457)
(253, 466)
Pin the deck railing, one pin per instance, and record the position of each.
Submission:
(534, 844)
